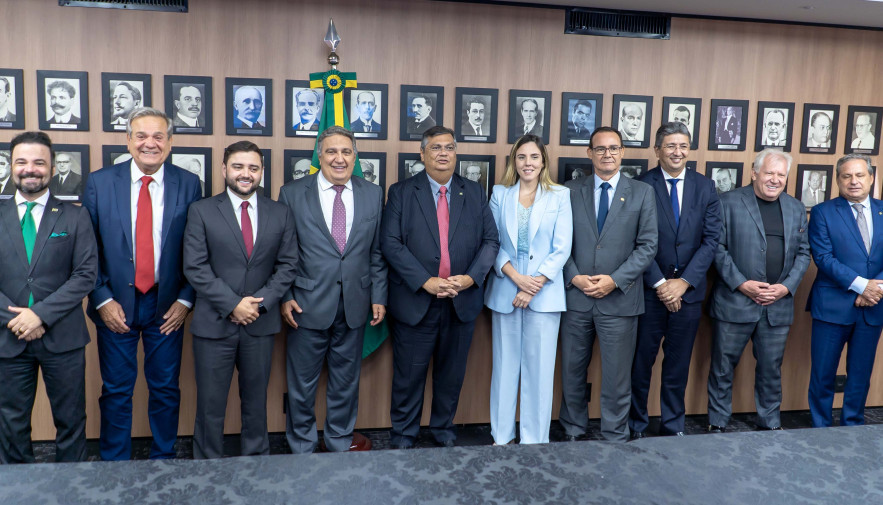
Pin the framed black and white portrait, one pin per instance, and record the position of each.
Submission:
(775, 125)
(249, 106)
(574, 168)
(120, 95)
(71, 171)
(63, 100)
(632, 115)
(863, 130)
(422, 107)
(726, 128)
(814, 184)
(12, 99)
(303, 109)
(409, 165)
(373, 165)
(820, 122)
(687, 111)
(528, 111)
(114, 154)
(198, 161)
(478, 168)
(476, 114)
(579, 113)
(632, 168)
(727, 176)
(189, 103)
(297, 164)
(7, 187)
(368, 106)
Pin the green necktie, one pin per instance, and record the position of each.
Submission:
(29, 233)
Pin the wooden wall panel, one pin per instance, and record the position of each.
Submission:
(449, 44)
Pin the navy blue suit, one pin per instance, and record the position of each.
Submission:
(840, 256)
(108, 198)
(425, 326)
(685, 251)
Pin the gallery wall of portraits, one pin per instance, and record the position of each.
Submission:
(230, 70)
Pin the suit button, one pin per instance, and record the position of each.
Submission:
(598, 247)
(131, 285)
(131, 260)
(763, 250)
(338, 283)
(30, 279)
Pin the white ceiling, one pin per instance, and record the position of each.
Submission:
(862, 13)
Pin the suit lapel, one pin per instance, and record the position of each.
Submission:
(510, 213)
(170, 199)
(423, 195)
(588, 193)
(661, 187)
(622, 194)
(540, 203)
(312, 196)
(845, 211)
(263, 224)
(456, 209)
(225, 207)
(47, 223)
(12, 225)
(788, 226)
(750, 202)
(877, 219)
(123, 192)
(360, 210)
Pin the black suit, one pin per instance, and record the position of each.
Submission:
(73, 120)
(70, 186)
(9, 117)
(466, 128)
(9, 189)
(61, 273)
(359, 126)
(418, 128)
(425, 326)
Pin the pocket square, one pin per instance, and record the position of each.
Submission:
(59, 234)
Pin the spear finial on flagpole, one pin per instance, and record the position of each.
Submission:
(332, 39)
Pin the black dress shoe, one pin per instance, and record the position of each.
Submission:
(679, 434)
(446, 443)
(404, 444)
(764, 428)
(716, 429)
(638, 434)
(573, 438)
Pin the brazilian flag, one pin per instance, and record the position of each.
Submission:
(334, 114)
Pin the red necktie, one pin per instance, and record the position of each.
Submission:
(247, 234)
(444, 265)
(144, 267)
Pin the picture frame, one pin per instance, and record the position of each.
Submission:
(267, 177)
(120, 94)
(814, 184)
(478, 168)
(684, 110)
(71, 171)
(188, 101)
(727, 125)
(579, 117)
(113, 154)
(360, 107)
(12, 99)
(775, 126)
(633, 168)
(820, 122)
(376, 161)
(535, 113)
(727, 176)
(632, 116)
(476, 105)
(574, 168)
(863, 130)
(7, 187)
(249, 106)
(197, 161)
(422, 107)
(409, 165)
(303, 108)
(297, 164)
(63, 100)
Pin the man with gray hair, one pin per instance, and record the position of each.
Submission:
(845, 297)
(864, 132)
(761, 257)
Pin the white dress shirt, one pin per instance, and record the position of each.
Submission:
(237, 200)
(860, 283)
(326, 199)
(189, 121)
(36, 212)
(681, 177)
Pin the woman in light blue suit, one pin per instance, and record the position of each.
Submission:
(527, 293)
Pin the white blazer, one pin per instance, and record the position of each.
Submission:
(550, 234)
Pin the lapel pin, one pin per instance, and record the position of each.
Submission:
(621, 199)
(54, 209)
(461, 193)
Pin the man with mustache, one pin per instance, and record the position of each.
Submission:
(124, 100)
(307, 105)
(239, 256)
(61, 100)
(189, 106)
(248, 103)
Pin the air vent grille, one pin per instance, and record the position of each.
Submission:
(141, 5)
(617, 24)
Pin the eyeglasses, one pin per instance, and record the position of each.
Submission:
(599, 151)
(670, 148)
(438, 148)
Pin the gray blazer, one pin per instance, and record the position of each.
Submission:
(218, 268)
(322, 270)
(741, 256)
(625, 248)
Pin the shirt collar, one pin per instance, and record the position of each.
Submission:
(681, 176)
(137, 174)
(325, 184)
(244, 121)
(237, 200)
(189, 121)
(42, 201)
(435, 186)
(866, 203)
(614, 181)
(64, 118)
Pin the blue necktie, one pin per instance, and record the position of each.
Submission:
(675, 207)
(603, 204)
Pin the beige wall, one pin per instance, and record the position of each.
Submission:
(449, 44)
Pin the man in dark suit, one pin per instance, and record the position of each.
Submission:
(688, 212)
(474, 123)
(239, 256)
(7, 187)
(65, 182)
(139, 209)
(61, 96)
(440, 240)
(365, 107)
(188, 106)
(761, 257)
(307, 107)
(531, 121)
(422, 120)
(616, 217)
(340, 285)
(580, 126)
(846, 238)
(48, 266)
(6, 115)
(248, 103)
(728, 128)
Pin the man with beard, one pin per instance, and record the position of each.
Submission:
(65, 181)
(248, 103)
(774, 128)
(61, 100)
(239, 256)
(188, 106)
(307, 105)
(49, 266)
(124, 100)
(365, 107)
(6, 185)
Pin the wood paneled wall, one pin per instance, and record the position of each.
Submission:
(449, 44)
